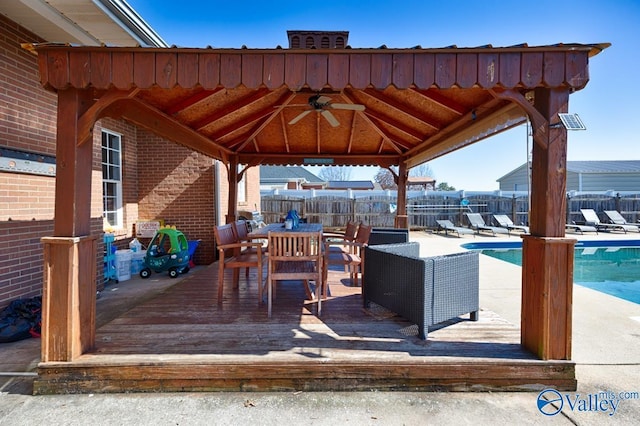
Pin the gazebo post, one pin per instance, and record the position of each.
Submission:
(547, 268)
(232, 208)
(401, 219)
(69, 293)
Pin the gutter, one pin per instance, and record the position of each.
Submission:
(129, 20)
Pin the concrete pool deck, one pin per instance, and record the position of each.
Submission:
(594, 313)
(606, 329)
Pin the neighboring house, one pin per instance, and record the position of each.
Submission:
(136, 174)
(297, 177)
(350, 184)
(288, 177)
(421, 182)
(584, 176)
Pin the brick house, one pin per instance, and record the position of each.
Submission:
(136, 174)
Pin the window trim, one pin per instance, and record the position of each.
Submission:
(118, 183)
(242, 185)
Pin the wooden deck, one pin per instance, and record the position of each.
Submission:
(183, 340)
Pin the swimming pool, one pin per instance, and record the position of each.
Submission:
(611, 267)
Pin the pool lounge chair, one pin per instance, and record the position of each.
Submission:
(505, 222)
(591, 218)
(616, 218)
(478, 224)
(447, 225)
(580, 228)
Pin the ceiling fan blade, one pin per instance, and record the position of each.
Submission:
(330, 118)
(300, 116)
(351, 107)
(323, 99)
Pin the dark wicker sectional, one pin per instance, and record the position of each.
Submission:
(426, 291)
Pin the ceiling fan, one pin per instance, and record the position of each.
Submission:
(322, 104)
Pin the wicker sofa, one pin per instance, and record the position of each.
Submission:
(427, 290)
(388, 236)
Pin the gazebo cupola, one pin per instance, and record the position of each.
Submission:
(317, 39)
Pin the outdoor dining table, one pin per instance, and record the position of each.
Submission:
(279, 227)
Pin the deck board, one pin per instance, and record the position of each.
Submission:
(182, 339)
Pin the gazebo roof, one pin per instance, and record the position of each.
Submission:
(418, 103)
(238, 106)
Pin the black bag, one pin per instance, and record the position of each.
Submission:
(20, 330)
(21, 319)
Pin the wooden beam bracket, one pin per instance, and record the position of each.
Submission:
(95, 111)
(539, 124)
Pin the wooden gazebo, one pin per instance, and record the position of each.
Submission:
(237, 105)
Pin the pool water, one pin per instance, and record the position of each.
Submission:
(611, 267)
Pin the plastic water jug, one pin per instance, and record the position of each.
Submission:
(135, 245)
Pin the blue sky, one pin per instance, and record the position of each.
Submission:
(607, 105)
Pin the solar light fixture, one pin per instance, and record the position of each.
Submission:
(571, 122)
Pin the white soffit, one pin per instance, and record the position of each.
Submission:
(85, 22)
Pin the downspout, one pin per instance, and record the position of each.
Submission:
(580, 182)
(216, 191)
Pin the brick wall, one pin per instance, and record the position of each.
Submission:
(177, 185)
(21, 258)
(27, 122)
(26, 197)
(28, 117)
(26, 215)
(27, 111)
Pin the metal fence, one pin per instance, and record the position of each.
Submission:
(378, 208)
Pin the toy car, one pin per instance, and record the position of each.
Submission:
(168, 251)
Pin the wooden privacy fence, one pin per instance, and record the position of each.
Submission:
(378, 208)
(331, 211)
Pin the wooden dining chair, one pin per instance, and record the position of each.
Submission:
(241, 229)
(350, 255)
(349, 234)
(295, 256)
(234, 254)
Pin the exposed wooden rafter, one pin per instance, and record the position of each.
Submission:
(253, 97)
(190, 101)
(435, 96)
(398, 107)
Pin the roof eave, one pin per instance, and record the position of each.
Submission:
(129, 20)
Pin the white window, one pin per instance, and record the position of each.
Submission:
(242, 185)
(112, 178)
